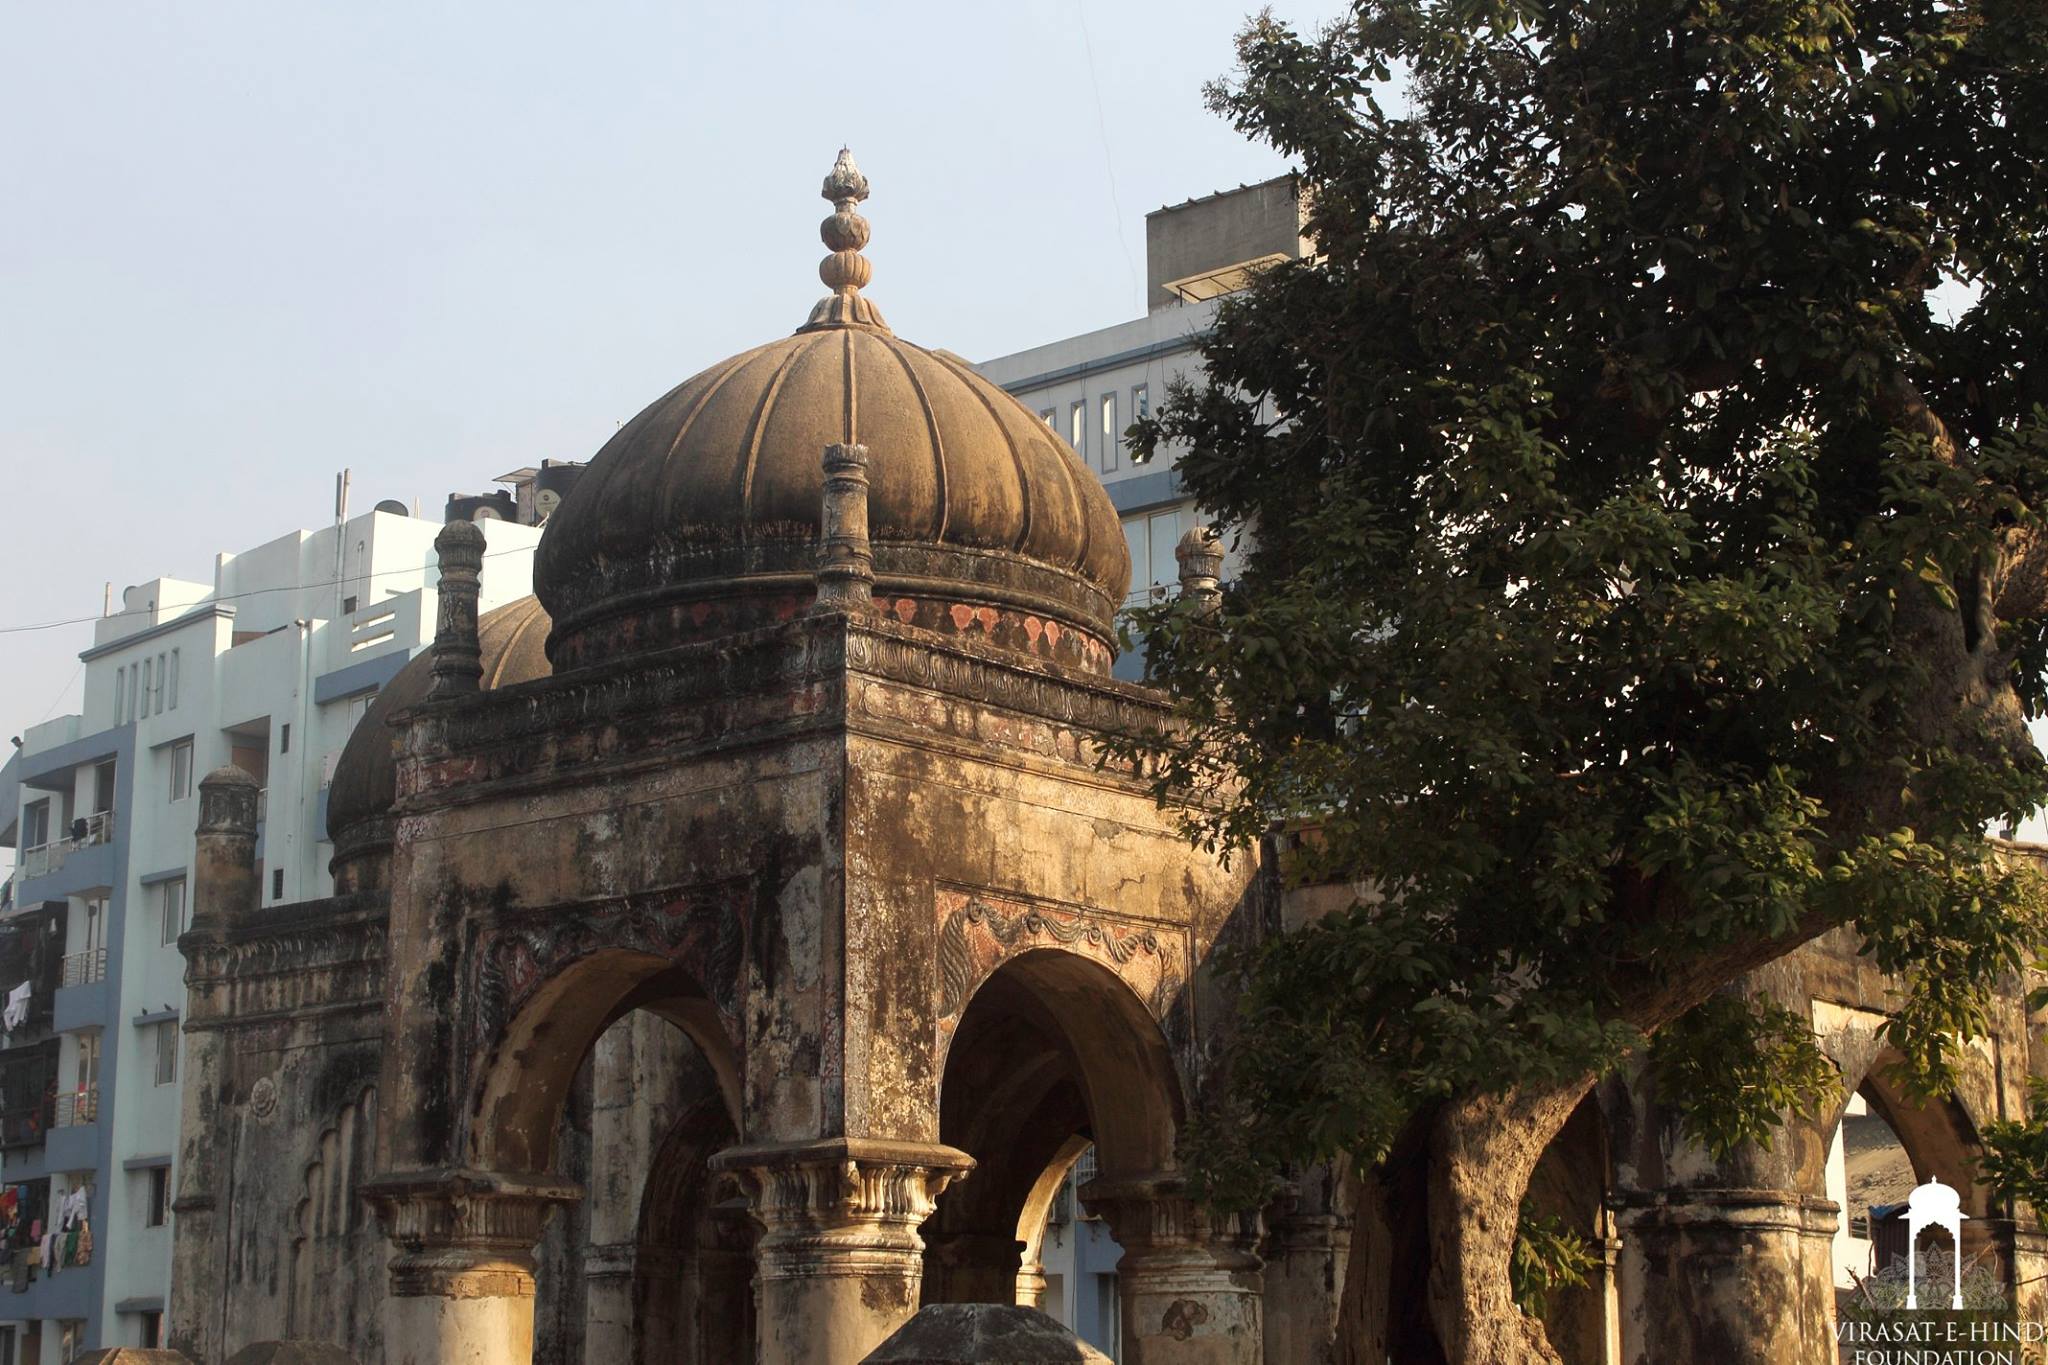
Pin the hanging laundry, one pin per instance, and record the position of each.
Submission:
(16, 1013)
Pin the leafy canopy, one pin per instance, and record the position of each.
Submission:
(1636, 499)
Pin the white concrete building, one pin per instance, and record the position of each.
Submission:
(268, 666)
(1090, 388)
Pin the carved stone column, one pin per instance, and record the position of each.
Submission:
(226, 887)
(1308, 1242)
(839, 1263)
(1733, 1276)
(462, 1268)
(458, 658)
(1031, 1284)
(1189, 1280)
(846, 561)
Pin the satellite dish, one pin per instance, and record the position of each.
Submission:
(545, 501)
(486, 512)
(394, 507)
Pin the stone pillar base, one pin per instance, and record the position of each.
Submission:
(839, 1261)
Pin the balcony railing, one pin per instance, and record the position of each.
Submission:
(39, 860)
(78, 1106)
(82, 969)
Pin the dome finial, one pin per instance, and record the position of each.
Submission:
(845, 272)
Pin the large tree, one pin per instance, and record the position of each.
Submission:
(1639, 498)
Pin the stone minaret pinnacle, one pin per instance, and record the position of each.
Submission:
(845, 272)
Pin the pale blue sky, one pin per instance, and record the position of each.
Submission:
(247, 244)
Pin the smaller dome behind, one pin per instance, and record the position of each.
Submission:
(513, 640)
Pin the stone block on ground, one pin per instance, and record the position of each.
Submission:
(291, 1353)
(983, 1334)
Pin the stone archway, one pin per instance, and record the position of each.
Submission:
(534, 1061)
(1053, 1046)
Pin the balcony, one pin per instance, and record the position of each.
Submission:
(78, 1108)
(40, 860)
(82, 969)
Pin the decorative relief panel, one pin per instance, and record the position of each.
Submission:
(978, 932)
(703, 930)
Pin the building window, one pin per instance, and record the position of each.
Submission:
(153, 1323)
(134, 691)
(120, 695)
(1077, 428)
(163, 677)
(1049, 416)
(173, 687)
(284, 738)
(1152, 540)
(1141, 402)
(173, 909)
(181, 770)
(277, 884)
(359, 706)
(1112, 437)
(148, 686)
(167, 1053)
(35, 824)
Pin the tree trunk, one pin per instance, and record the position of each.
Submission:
(1428, 1281)
(1482, 1153)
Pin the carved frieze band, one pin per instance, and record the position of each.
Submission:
(978, 933)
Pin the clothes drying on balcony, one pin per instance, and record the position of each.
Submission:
(16, 1013)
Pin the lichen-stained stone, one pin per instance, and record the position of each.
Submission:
(983, 1334)
(291, 1353)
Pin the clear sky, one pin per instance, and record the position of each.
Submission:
(247, 244)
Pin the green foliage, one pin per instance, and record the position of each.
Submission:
(1733, 1068)
(2015, 1158)
(1626, 593)
(1548, 1257)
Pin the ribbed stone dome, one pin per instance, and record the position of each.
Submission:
(701, 516)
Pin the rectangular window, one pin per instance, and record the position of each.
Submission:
(277, 884)
(120, 696)
(35, 824)
(1141, 402)
(153, 1323)
(1077, 428)
(103, 786)
(284, 738)
(358, 705)
(1112, 435)
(173, 701)
(173, 909)
(181, 770)
(1165, 535)
(148, 686)
(1047, 416)
(167, 1053)
(1141, 557)
(134, 691)
(95, 925)
(163, 673)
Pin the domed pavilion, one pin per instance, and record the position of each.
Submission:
(737, 943)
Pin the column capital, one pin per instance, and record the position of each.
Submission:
(463, 1233)
(807, 1196)
(1156, 1213)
